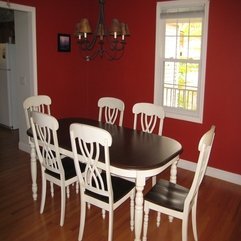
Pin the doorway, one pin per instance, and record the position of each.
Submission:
(26, 61)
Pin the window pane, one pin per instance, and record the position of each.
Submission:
(180, 85)
(183, 26)
(171, 27)
(192, 75)
(183, 38)
(182, 51)
(196, 27)
(170, 48)
(194, 47)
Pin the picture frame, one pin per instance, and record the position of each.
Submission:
(64, 42)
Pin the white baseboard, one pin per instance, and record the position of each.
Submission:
(212, 172)
(24, 147)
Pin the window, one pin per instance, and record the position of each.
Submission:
(180, 61)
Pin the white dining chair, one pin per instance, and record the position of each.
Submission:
(54, 168)
(40, 103)
(148, 117)
(178, 201)
(111, 110)
(90, 145)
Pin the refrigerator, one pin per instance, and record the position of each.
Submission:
(8, 97)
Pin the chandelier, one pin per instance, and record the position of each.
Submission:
(102, 42)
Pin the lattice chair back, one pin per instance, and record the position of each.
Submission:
(149, 116)
(94, 145)
(113, 109)
(45, 136)
(40, 103)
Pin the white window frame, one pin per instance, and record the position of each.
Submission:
(177, 113)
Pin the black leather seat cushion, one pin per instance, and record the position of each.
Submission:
(167, 194)
(69, 168)
(120, 188)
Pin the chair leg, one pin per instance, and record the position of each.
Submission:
(173, 179)
(52, 189)
(43, 198)
(184, 227)
(62, 215)
(82, 219)
(158, 219)
(110, 230)
(132, 207)
(145, 223)
(194, 220)
(77, 187)
(170, 219)
(103, 213)
(67, 190)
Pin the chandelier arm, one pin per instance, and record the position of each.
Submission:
(117, 45)
(92, 43)
(114, 56)
(85, 44)
(92, 56)
(101, 52)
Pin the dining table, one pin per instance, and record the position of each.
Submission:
(134, 154)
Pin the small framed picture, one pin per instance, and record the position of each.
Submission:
(64, 42)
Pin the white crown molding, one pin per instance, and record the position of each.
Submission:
(212, 172)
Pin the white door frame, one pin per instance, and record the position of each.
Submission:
(31, 15)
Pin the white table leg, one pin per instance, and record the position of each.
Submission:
(173, 178)
(140, 183)
(33, 170)
(173, 173)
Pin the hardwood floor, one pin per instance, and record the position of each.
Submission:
(218, 215)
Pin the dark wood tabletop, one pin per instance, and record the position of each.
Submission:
(131, 149)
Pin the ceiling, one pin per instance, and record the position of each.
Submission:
(6, 15)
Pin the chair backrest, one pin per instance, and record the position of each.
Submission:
(113, 108)
(93, 143)
(150, 114)
(40, 103)
(204, 147)
(44, 128)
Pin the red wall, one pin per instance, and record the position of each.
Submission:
(75, 85)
